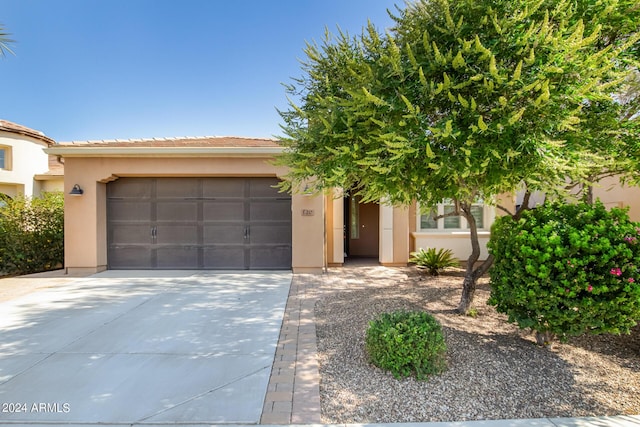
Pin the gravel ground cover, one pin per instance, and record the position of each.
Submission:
(495, 370)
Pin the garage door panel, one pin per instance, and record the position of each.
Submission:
(270, 233)
(177, 257)
(271, 257)
(169, 211)
(131, 234)
(131, 256)
(228, 257)
(177, 234)
(129, 211)
(139, 188)
(264, 187)
(278, 210)
(223, 210)
(224, 234)
(176, 188)
(223, 187)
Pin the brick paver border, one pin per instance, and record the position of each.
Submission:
(293, 394)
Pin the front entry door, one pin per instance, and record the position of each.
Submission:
(362, 228)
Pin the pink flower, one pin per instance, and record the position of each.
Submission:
(616, 271)
(631, 280)
(589, 288)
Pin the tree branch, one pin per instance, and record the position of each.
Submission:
(524, 206)
(505, 210)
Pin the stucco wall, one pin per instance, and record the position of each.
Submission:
(26, 160)
(458, 242)
(85, 216)
(613, 194)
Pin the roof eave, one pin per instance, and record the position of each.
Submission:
(40, 139)
(97, 151)
(48, 176)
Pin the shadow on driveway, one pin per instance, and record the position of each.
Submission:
(126, 347)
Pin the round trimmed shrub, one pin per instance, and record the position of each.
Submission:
(567, 269)
(407, 343)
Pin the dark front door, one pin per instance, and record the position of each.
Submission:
(362, 224)
(198, 223)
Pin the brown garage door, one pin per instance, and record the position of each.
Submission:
(198, 223)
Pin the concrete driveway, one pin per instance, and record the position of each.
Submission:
(142, 347)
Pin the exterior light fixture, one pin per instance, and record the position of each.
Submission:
(76, 191)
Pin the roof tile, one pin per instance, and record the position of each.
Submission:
(8, 126)
(205, 141)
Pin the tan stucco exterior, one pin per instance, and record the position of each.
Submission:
(614, 194)
(85, 216)
(318, 222)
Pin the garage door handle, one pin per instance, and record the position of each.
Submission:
(246, 233)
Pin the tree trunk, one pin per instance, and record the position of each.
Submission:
(472, 274)
(589, 195)
(545, 338)
(468, 292)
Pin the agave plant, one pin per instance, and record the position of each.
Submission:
(434, 261)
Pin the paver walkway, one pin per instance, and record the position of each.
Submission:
(293, 394)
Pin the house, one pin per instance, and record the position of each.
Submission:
(211, 203)
(25, 169)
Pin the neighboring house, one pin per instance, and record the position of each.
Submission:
(25, 169)
(210, 203)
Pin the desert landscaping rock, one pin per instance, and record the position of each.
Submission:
(495, 370)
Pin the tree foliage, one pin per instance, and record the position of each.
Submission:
(464, 100)
(32, 234)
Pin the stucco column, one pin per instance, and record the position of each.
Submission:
(308, 233)
(337, 228)
(394, 235)
(80, 221)
(386, 233)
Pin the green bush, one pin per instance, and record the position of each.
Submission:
(407, 343)
(567, 269)
(434, 261)
(32, 234)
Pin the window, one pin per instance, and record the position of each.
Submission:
(451, 223)
(4, 200)
(5, 157)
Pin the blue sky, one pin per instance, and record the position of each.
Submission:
(104, 69)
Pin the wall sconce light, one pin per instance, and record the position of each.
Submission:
(76, 191)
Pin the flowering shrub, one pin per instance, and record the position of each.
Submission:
(32, 234)
(567, 269)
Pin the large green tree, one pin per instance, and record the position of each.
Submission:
(463, 100)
